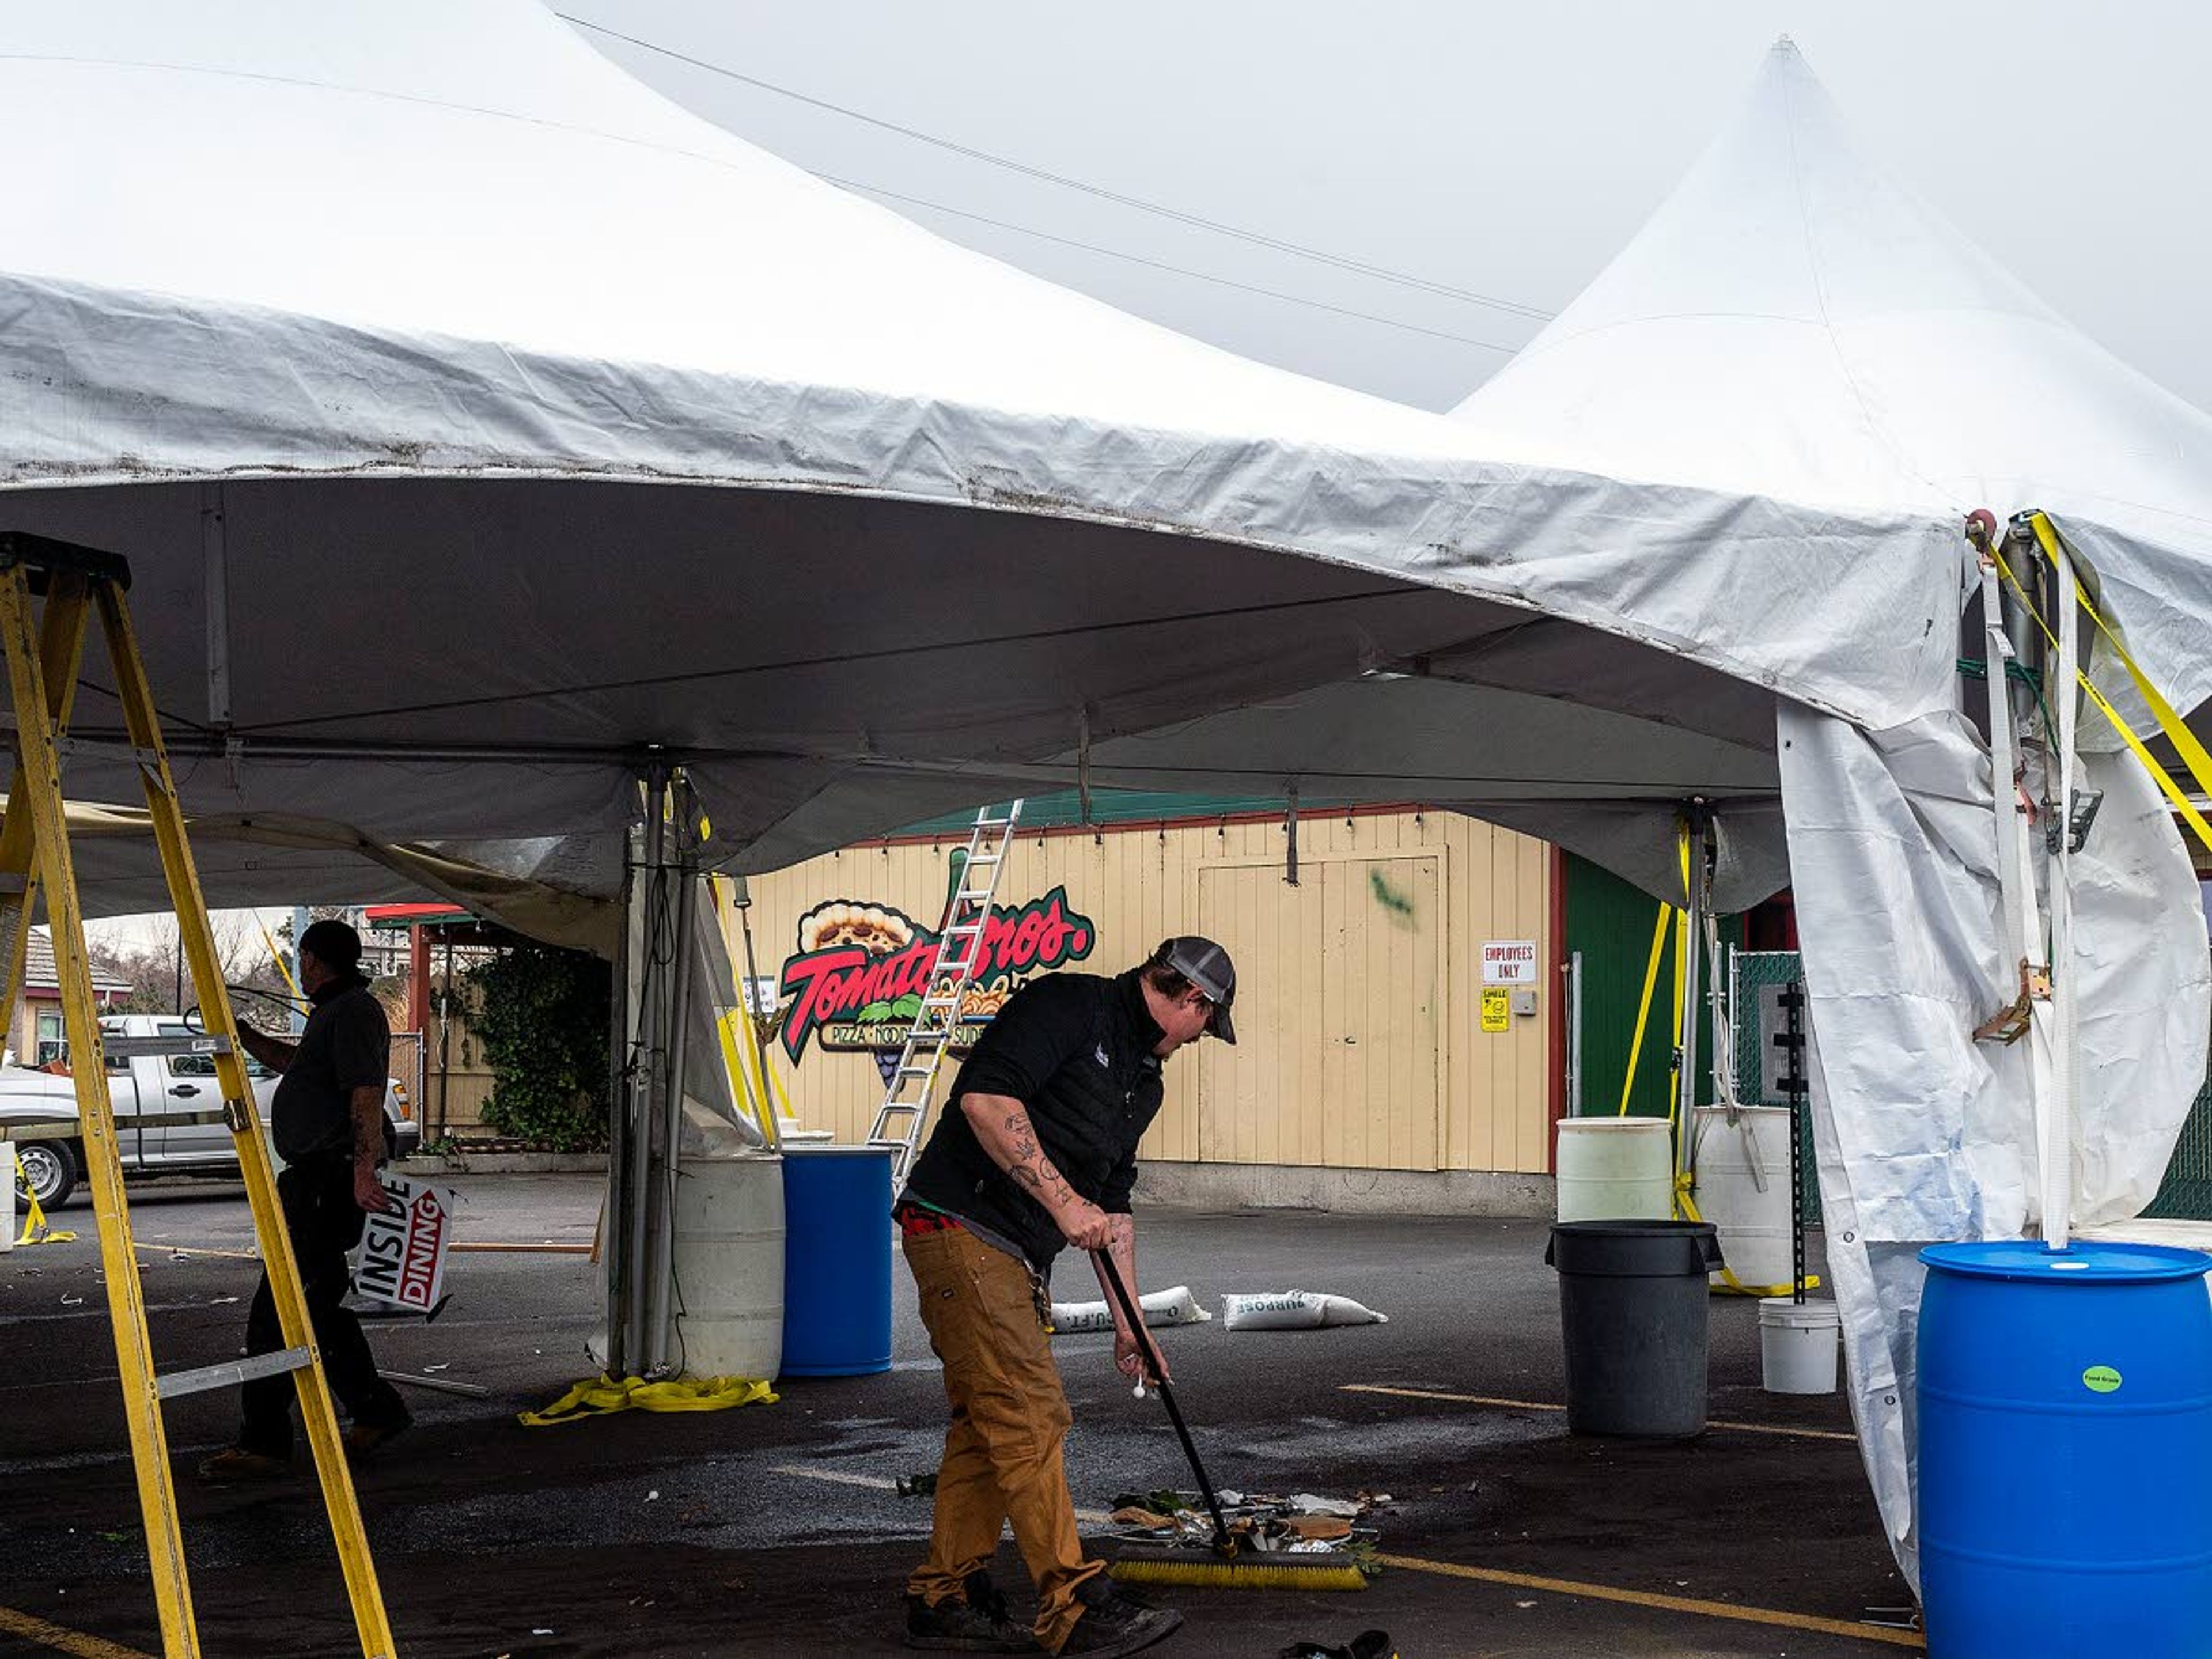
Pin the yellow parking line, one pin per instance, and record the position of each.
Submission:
(32, 1628)
(1896, 1638)
(1552, 1406)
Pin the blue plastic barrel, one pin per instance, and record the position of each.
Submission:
(2066, 1452)
(837, 1260)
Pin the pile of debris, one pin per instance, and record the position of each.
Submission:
(1302, 1523)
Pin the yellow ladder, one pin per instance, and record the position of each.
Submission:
(44, 644)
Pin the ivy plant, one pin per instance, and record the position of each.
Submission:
(541, 1017)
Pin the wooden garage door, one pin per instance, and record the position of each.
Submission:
(1340, 983)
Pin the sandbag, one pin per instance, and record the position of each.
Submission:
(1294, 1310)
(1170, 1307)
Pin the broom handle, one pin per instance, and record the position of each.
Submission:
(1112, 1274)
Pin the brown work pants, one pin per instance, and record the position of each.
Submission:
(1003, 1453)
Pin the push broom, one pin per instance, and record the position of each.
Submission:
(1229, 1564)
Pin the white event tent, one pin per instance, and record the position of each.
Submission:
(484, 430)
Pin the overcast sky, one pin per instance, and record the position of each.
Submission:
(1503, 151)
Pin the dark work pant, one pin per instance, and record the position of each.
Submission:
(325, 1222)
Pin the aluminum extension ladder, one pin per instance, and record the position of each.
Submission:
(904, 1114)
(43, 647)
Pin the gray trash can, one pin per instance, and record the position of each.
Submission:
(1632, 1308)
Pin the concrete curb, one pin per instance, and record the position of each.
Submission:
(465, 1163)
(1351, 1191)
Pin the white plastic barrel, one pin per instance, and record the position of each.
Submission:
(729, 1265)
(1615, 1169)
(1743, 1189)
(1798, 1345)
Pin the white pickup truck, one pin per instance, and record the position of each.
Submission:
(168, 1111)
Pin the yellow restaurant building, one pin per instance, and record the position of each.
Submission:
(1371, 1071)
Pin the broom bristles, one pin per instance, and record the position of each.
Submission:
(1215, 1574)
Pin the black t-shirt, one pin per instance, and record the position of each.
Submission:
(347, 1046)
(1077, 1051)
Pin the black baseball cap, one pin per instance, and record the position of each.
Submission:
(1206, 966)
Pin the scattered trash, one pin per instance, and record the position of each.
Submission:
(653, 1497)
(1524, 1604)
(72, 1301)
(542, 1630)
(1303, 1524)
(1295, 1311)
(1367, 1644)
(219, 1301)
(1169, 1307)
(916, 1485)
(1136, 1515)
(432, 1371)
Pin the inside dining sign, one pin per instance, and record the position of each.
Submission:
(856, 981)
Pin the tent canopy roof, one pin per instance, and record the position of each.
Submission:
(532, 426)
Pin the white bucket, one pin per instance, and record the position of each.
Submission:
(729, 1265)
(1615, 1169)
(1798, 1345)
(1734, 1161)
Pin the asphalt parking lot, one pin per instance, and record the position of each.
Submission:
(773, 1529)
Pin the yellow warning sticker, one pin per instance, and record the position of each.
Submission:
(1496, 1008)
(2100, 1379)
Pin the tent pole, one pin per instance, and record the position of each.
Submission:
(2022, 924)
(645, 1075)
(1698, 817)
(660, 1265)
(2065, 703)
(613, 1231)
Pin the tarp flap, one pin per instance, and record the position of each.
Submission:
(1923, 1133)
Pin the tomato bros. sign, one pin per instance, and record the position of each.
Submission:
(857, 981)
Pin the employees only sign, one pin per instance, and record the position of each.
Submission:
(1509, 961)
(403, 1253)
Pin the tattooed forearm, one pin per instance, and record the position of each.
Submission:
(1003, 1128)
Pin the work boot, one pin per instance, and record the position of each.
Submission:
(362, 1439)
(236, 1466)
(1114, 1622)
(976, 1621)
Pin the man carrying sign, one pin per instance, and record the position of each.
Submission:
(328, 1122)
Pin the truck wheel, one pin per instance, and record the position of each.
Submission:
(50, 1169)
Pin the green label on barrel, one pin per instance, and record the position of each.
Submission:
(2100, 1379)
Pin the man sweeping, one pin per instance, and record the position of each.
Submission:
(1036, 1150)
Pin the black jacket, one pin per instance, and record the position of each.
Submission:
(1077, 1051)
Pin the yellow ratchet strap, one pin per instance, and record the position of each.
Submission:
(37, 1229)
(2184, 741)
(602, 1396)
(1644, 1003)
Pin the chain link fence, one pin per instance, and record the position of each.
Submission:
(2186, 1193)
(1756, 982)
